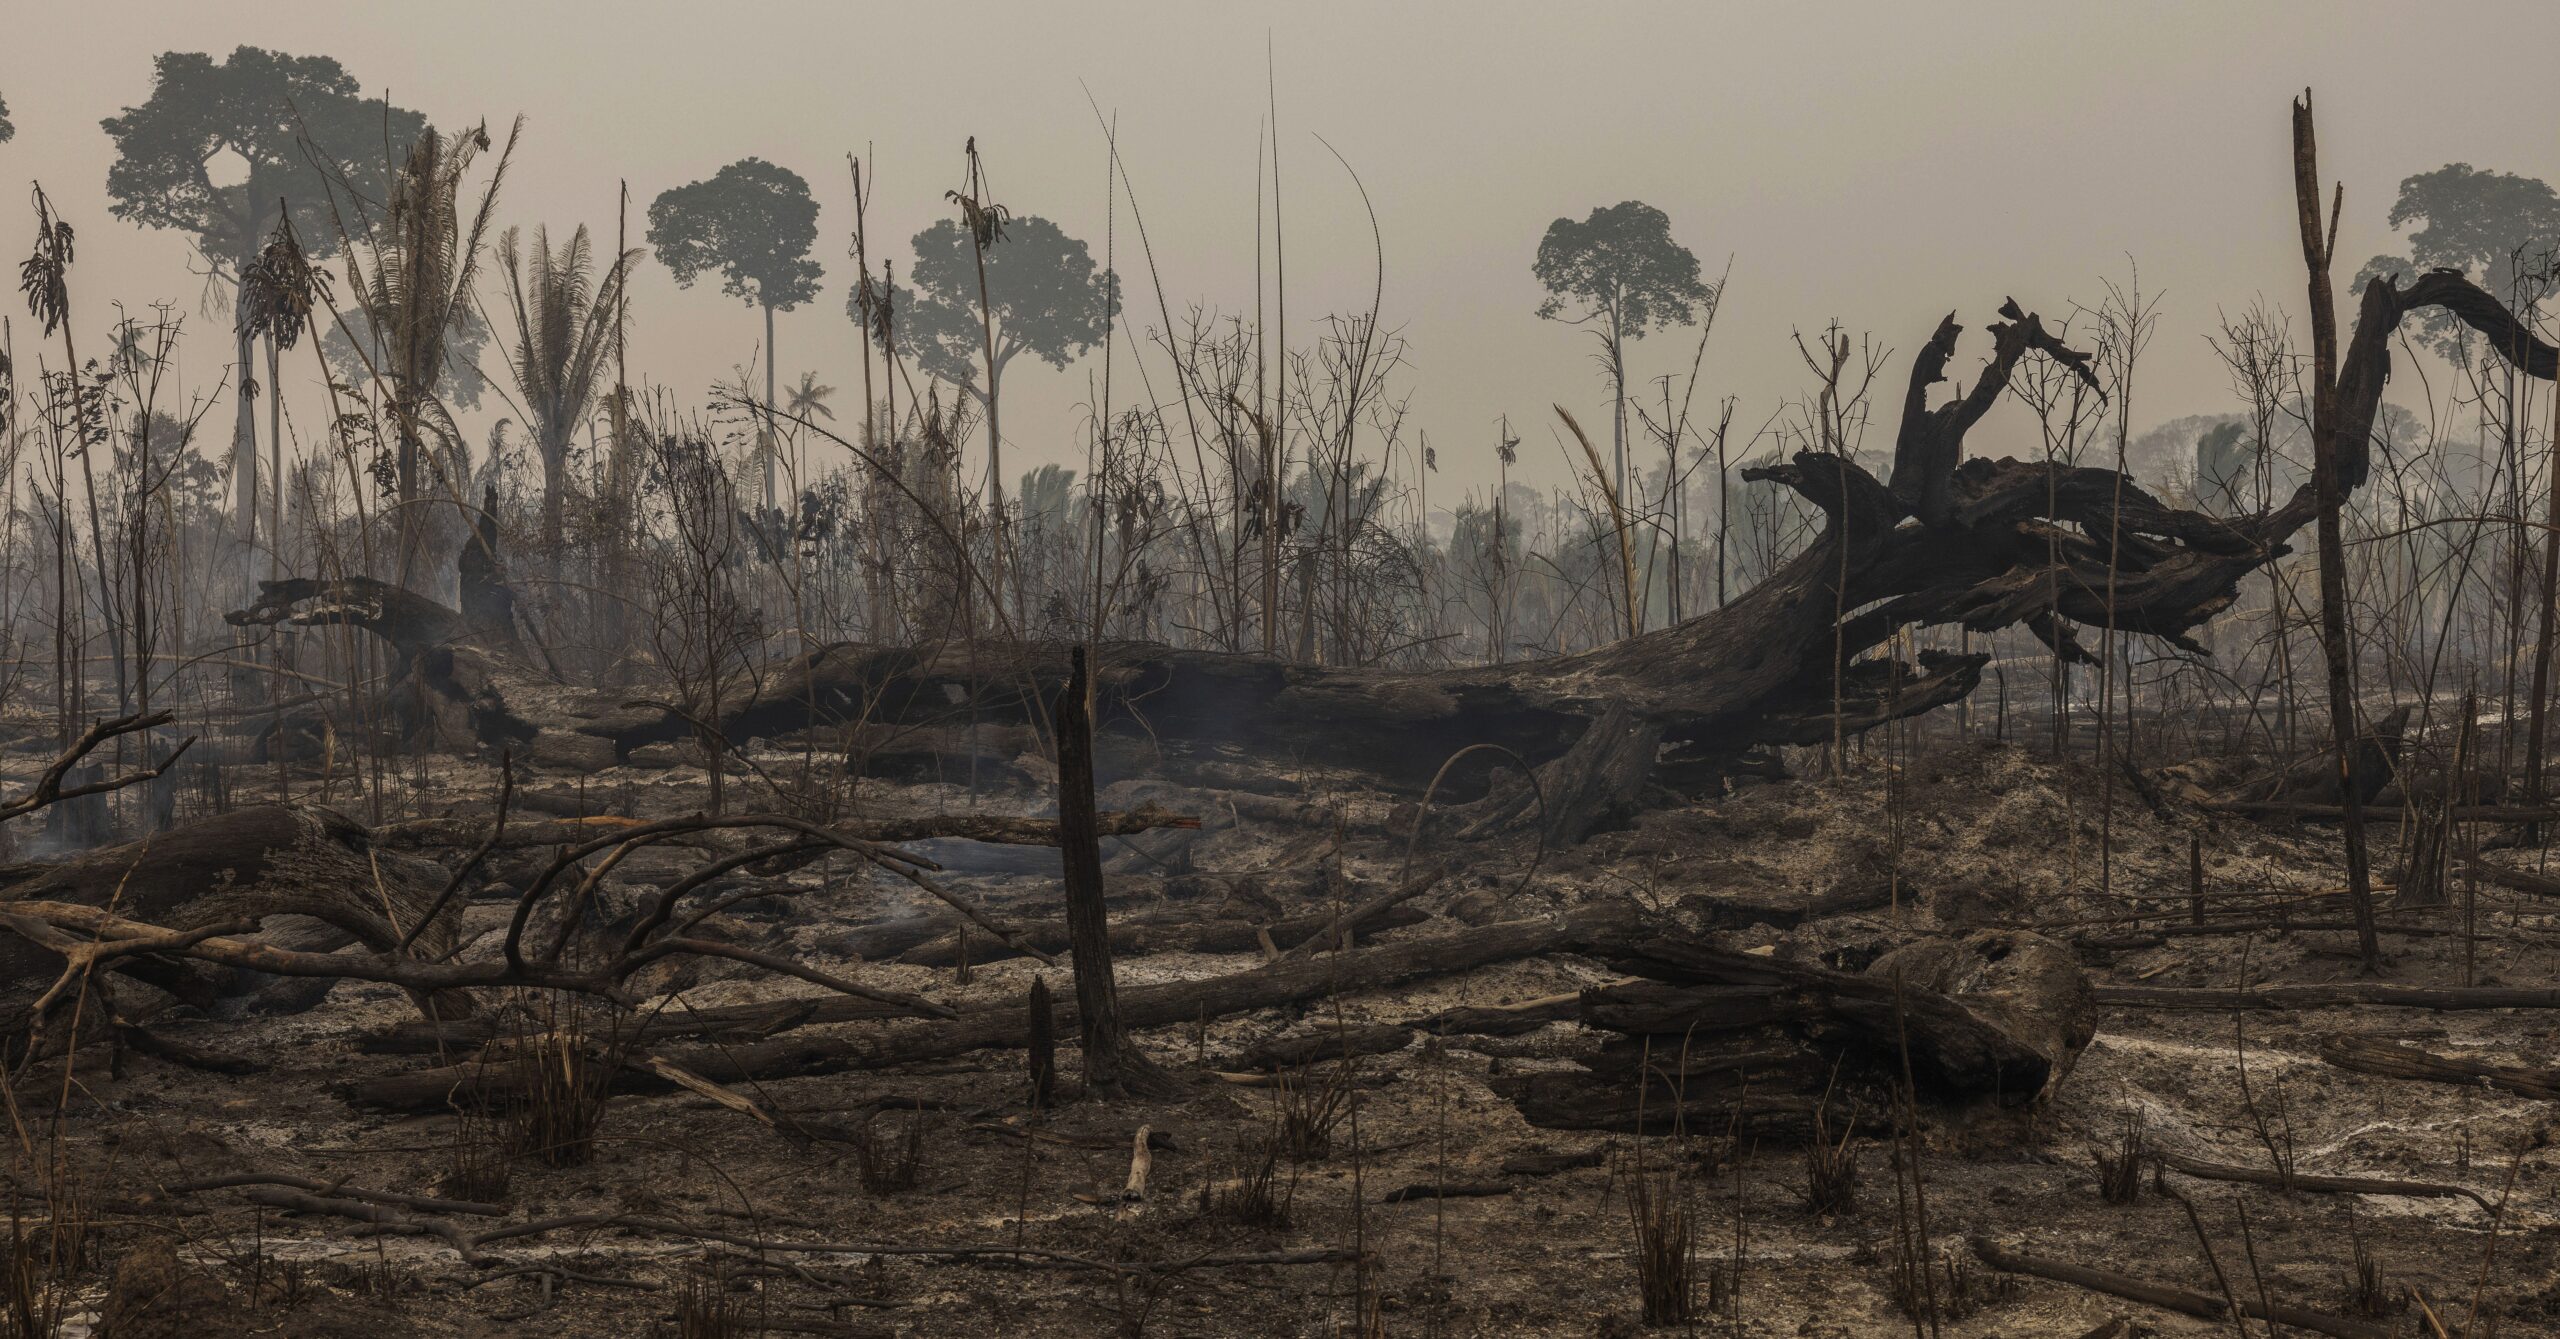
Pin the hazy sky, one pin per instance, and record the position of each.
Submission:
(1880, 162)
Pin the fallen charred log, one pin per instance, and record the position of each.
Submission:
(2342, 995)
(1162, 932)
(1283, 983)
(1716, 1037)
(1981, 544)
(2396, 1060)
(2169, 1298)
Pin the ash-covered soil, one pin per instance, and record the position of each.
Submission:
(1967, 834)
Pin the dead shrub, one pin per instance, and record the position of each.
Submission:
(41, 1263)
(1310, 1107)
(1961, 1287)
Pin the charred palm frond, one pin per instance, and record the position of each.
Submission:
(280, 289)
(411, 276)
(565, 329)
(44, 277)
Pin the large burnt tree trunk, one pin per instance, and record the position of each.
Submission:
(1941, 541)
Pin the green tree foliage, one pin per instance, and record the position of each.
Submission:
(808, 398)
(1619, 273)
(1044, 293)
(7, 131)
(1048, 499)
(1620, 268)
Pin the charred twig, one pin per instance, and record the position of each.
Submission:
(337, 1189)
(463, 872)
(2167, 1297)
(2322, 1185)
(1337, 931)
(2353, 994)
(2397, 1060)
(381, 1218)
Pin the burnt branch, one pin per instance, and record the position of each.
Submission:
(409, 621)
(1931, 441)
(49, 790)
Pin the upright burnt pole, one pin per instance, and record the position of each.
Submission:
(1111, 1064)
(2319, 244)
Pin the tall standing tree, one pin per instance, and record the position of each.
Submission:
(2336, 468)
(808, 399)
(1619, 273)
(1044, 297)
(299, 124)
(567, 327)
(2503, 229)
(754, 223)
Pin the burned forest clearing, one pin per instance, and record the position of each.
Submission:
(504, 845)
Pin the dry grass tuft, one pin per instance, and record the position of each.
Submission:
(2120, 1167)
(2370, 1291)
(708, 1306)
(1246, 1187)
(890, 1161)
(1310, 1107)
(479, 1163)
(1665, 1246)
(1831, 1167)
(562, 1083)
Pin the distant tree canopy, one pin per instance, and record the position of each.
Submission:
(2501, 229)
(2225, 457)
(1621, 268)
(299, 123)
(1044, 293)
(7, 131)
(753, 222)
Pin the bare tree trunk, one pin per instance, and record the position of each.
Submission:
(555, 464)
(771, 448)
(1110, 1063)
(244, 442)
(2316, 245)
(2543, 640)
